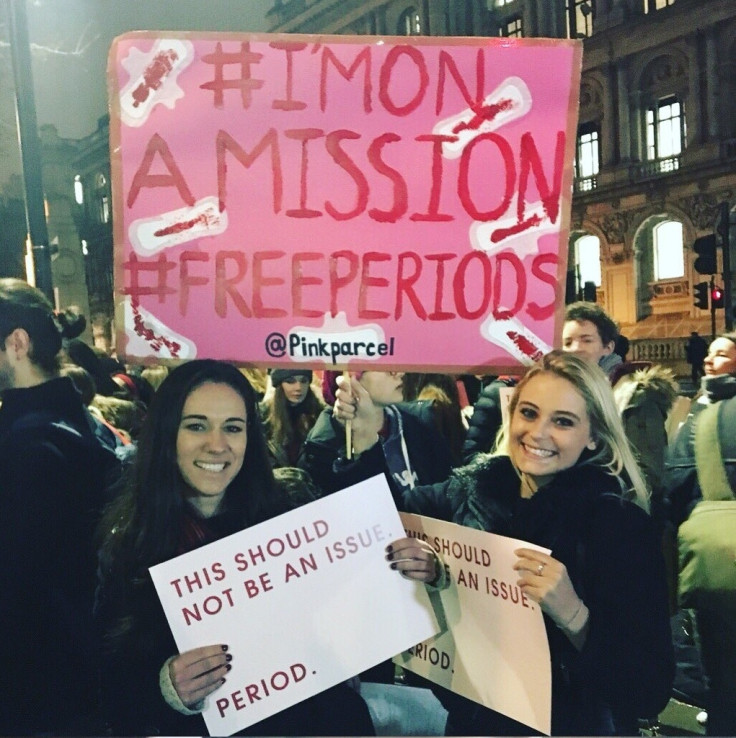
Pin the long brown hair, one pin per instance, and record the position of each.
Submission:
(280, 427)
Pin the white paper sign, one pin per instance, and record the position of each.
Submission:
(304, 601)
(493, 647)
(505, 394)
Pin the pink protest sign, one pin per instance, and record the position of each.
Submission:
(338, 201)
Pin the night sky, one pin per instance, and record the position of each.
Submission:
(70, 40)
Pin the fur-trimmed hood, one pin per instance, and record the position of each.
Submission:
(655, 384)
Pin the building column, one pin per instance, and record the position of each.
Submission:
(610, 143)
(712, 88)
(628, 109)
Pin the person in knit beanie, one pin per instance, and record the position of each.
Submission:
(288, 414)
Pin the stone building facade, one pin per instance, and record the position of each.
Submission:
(656, 147)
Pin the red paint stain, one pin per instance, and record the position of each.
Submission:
(147, 334)
(205, 219)
(154, 75)
(483, 114)
(525, 346)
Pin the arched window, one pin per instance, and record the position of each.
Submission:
(669, 258)
(588, 260)
(410, 23)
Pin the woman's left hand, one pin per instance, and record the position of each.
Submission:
(413, 559)
(546, 581)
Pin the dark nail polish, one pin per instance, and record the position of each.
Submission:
(222, 681)
(389, 549)
(224, 648)
(393, 566)
(229, 657)
(228, 667)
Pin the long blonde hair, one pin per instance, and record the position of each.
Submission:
(612, 451)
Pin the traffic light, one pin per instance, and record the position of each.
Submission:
(716, 298)
(700, 290)
(705, 248)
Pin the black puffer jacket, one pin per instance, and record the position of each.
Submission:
(613, 557)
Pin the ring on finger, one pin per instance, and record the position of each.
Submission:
(540, 569)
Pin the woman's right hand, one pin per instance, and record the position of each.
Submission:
(197, 673)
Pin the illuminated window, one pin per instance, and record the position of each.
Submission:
(512, 28)
(410, 23)
(580, 15)
(78, 190)
(652, 5)
(587, 157)
(665, 125)
(669, 256)
(588, 260)
(102, 198)
(501, 3)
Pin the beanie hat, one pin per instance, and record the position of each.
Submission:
(282, 375)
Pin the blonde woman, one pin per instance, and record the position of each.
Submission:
(564, 478)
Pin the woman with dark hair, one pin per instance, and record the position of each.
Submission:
(288, 413)
(202, 472)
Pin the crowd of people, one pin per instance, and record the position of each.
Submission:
(108, 469)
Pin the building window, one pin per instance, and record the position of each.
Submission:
(512, 28)
(502, 3)
(410, 23)
(652, 5)
(78, 190)
(669, 256)
(665, 124)
(580, 15)
(587, 156)
(588, 260)
(102, 198)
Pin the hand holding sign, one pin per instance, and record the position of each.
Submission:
(546, 581)
(413, 559)
(199, 672)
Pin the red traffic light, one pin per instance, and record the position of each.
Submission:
(716, 297)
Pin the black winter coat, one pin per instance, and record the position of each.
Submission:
(132, 696)
(428, 450)
(613, 556)
(53, 473)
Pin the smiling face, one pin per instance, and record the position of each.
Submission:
(211, 443)
(721, 357)
(295, 389)
(384, 388)
(549, 429)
